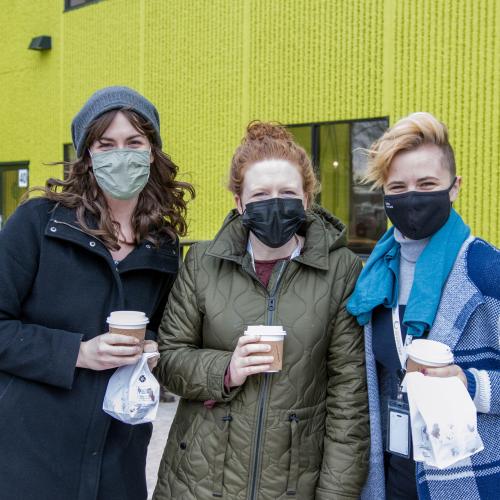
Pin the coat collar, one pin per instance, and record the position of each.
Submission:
(63, 225)
(455, 309)
(230, 243)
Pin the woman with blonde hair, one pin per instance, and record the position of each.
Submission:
(104, 239)
(242, 431)
(428, 278)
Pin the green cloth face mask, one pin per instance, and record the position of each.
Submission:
(121, 173)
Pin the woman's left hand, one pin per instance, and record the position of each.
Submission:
(446, 371)
(151, 346)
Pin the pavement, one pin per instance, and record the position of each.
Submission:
(161, 426)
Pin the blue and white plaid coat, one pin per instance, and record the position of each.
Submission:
(468, 320)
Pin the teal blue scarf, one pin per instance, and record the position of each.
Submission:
(378, 283)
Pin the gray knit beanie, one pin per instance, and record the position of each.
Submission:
(105, 100)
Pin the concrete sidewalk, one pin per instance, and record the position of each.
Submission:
(161, 426)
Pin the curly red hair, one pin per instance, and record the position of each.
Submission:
(266, 141)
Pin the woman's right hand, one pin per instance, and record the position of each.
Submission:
(102, 353)
(244, 364)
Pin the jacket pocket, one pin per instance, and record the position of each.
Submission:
(220, 454)
(293, 470)
(306, 435)
(196, 448)
(183, 445)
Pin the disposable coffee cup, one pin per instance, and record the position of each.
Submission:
(131, 323)
(427, 354)
(273, 336)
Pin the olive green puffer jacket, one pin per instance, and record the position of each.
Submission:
(302, 432)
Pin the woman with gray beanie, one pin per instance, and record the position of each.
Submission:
(104, 239)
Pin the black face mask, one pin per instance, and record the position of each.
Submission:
(419, 214)
(274, 221)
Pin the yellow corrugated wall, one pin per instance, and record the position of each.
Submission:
(30, 99)
(210, 66)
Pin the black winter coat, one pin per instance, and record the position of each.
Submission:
(57, 286)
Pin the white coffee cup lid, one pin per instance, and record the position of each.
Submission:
(127, 318)
(267, 330)
(425, 351)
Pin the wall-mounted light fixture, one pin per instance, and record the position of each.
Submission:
(43, 42)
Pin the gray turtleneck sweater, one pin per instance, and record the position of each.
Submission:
(410, 252)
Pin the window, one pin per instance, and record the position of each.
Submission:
(13, 184)
(336, 149)
(73, 4)
(69, 154)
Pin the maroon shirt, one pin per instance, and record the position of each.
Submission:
(264, 269)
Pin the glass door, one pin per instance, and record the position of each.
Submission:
(339, 153)
(13, 184)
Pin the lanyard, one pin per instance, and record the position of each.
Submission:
(398, 339)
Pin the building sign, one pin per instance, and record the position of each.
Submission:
(22, 178)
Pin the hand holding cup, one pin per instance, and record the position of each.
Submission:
(433, 359)
(248, 359)
(123, 345)
(446, 371)
(109, 350)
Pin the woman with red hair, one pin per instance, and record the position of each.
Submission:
(243, 430)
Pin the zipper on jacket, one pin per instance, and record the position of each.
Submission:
(76, 228)
(73, 227)
(263, 393)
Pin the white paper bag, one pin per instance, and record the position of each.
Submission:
(133, 393)
(443, 420)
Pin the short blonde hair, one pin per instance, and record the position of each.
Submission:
(408, 133)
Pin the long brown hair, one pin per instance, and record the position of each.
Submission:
(161, 207)
(265, 141)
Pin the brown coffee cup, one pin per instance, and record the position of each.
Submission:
(273, 336)
(131, 323)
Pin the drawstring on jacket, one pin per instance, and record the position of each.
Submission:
(293, 473)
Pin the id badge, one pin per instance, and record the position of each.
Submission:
(398, 428)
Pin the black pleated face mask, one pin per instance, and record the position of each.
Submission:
(274, 221)
(419, 214)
